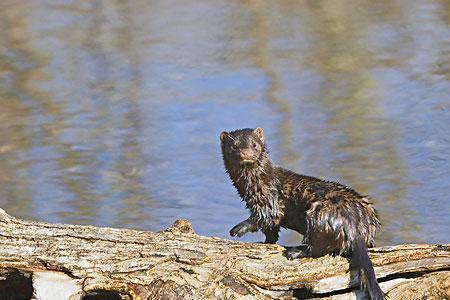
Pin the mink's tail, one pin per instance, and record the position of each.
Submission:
(361, 261)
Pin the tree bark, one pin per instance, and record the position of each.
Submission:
(57, 261)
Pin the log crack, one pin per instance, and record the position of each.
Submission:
(88, 262)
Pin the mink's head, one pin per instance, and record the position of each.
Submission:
(243, 146)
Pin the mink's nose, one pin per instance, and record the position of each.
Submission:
(246, 153)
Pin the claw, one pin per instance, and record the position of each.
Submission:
(296, 252)
(241, 228)
(238, 230)
(233, 231)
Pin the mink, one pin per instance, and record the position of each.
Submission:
(333, 218)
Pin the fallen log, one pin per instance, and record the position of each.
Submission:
(58, 261)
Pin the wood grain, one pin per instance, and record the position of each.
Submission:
(78, 262)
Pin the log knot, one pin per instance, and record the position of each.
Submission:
(181, 226)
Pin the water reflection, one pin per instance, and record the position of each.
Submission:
(20, 68)
(262, 57)
(366, 156)
(111, 110)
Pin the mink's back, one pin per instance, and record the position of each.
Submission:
(313, 205)
(312, 188)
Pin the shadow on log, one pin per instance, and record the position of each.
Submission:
(58, 261)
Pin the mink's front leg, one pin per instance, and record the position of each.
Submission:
(244, 227)
(271, 235)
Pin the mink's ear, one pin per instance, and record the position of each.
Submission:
(223, 136)
(260, 134)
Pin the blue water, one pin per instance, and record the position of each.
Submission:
(111, 111)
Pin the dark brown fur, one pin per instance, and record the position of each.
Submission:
(332, 218)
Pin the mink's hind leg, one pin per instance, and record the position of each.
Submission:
(317, 243)
(271, 235)
(297, 252)
(306, 251)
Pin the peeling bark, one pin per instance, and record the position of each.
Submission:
(57, 261)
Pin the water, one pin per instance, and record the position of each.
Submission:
(111, 110)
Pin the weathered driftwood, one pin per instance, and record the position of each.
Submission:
(52, 261)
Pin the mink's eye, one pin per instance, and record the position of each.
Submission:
(254, 145)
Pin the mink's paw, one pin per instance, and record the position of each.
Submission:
(241, 228)
(238, 230)
(296, 252)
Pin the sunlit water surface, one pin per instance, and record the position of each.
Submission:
(111, 110)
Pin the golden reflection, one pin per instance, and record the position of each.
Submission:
(131, 151)
(336, 51)
(443, 61)
(104, 39)
(262, 57)
(22, 71)
(350, 94)
(72, 94)
(444, 11)
(20, 68)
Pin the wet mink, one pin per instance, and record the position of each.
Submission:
(332, 218)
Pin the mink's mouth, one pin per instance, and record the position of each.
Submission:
(247, 161)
